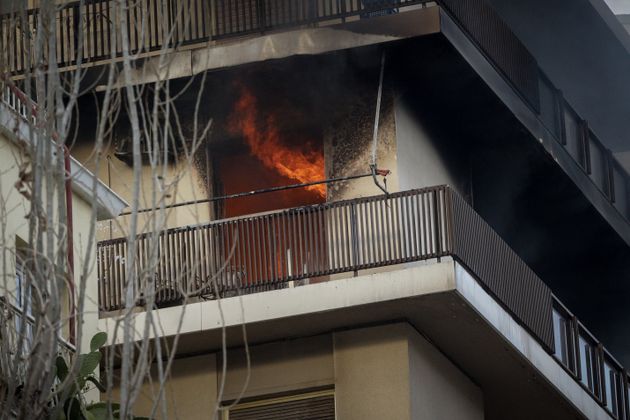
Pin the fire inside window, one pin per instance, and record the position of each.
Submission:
(268, 156)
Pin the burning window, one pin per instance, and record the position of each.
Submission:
(267, 152)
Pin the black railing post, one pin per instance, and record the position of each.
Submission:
(354, 238)
(342, 10)
(262, 20)
(437, 223)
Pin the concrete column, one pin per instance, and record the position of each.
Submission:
(190, 393)
(391, 372)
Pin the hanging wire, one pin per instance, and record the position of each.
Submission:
(382, 172)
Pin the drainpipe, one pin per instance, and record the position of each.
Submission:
(69, 221)
(70, 244)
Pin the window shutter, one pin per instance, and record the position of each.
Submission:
(299, 407)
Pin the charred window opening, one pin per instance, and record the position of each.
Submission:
(267, 146)
(291, 122)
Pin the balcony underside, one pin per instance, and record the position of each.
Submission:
(519, 381)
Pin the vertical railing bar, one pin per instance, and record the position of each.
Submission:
(414, 228)
(340, 245)
(99, 276)
(285, 246)
(297, 243)
(267, 248)
(385, 233)
(299, 229)
(374, 241)
(360, 234)
(308, 254)
(354, 237)
(324, 260)
(408, 228)
(348, 229)
(315, 247)
(421, 226)
(273, 247)
(249, 251)
(334, 230)
(260, 269)
(109, 275)
(111, 270)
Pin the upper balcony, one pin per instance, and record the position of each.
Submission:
(88, 32)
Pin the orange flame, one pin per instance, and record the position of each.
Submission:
(265, 143)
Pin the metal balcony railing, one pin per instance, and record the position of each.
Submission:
(90, 30)
(268, 251)
(271, 249)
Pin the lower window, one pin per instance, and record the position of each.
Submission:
(319, 405)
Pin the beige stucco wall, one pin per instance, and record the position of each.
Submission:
(391, 372)
(182, 182)
(438, 389)
(190, 393)
(13, 210)
(382, 372)
(281, 367)
(372, 373)
(14, 232)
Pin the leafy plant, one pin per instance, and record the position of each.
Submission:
(73, 405)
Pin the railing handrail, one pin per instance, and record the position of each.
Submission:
(285, 245)
(287, 212)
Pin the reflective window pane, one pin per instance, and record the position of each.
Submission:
(599, 172)
(611, 384)
(587, 363)
(561, 337)
(573, 136)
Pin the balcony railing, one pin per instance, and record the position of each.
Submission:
(90, 29)
(589, 363)
(268, 251)
(272, 249)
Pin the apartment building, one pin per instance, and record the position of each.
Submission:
(17, 300)
(488, 281)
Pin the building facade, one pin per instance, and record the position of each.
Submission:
(478, 285)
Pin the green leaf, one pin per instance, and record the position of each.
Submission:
(99, 410)
(88, 364)
(73, 409)
(86, 414)
(62, 368)
(98, 341)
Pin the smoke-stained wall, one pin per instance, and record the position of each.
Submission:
(183, 178)
(348, 146)
(424, 157)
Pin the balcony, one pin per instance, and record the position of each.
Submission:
(89, 31)
(324, 242)
(270, 251)
(189, 24)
